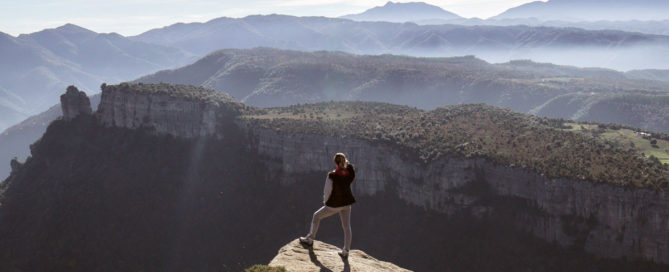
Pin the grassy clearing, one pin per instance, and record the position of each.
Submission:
(555, 82)
(265, 268)
(629, 139)
(304, 115)
(580, 127)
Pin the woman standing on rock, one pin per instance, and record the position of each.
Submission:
(337, 198)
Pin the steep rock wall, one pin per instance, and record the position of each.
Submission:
(606, 220)
(164, 113)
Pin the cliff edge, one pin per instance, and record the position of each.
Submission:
(296, 257)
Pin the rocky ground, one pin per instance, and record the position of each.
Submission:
(323, 257)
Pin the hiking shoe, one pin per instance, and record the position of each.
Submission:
(343, 253)
(307, 241)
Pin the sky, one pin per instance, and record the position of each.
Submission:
(132, 17)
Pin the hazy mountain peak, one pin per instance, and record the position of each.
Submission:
(72, 28)
(403, 12)
(408, 4)
(590, 10)
(67, 31)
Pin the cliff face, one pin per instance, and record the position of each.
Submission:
(164, 112)
(606, 220)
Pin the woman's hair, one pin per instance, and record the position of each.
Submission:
(340, 160)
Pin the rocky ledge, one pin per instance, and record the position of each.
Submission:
(323, 257)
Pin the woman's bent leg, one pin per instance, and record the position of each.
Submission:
(321, 213)
(345, 215)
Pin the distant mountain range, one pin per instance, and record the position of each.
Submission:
(403, 12)
(319, 33)
(270, 77)
(567, 46)
(562, 10)
(658, 27)
(591, 10)
(36, 67)
(598, 15)
(41, 64)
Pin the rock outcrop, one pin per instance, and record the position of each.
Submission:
(323, 257)
(74, 103)
(180, 111)
(15, 165)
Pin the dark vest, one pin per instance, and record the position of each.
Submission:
(341, 187)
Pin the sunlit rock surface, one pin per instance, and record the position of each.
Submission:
(296, 257)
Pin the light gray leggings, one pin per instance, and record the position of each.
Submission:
(344, 214)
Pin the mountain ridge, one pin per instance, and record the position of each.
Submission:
(42, 63)
(604, 48)
(592, 10)
(403, 12)
(271, 77)
(52, 59)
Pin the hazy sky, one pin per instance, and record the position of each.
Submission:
(130, 17)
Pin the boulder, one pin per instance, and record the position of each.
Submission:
(296, 257)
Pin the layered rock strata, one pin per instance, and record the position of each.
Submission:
(178, 114)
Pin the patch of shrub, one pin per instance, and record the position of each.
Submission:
(265, 268)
